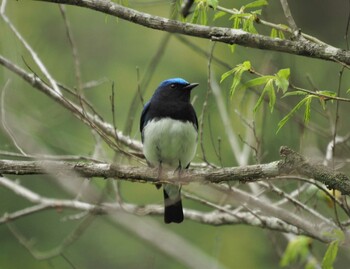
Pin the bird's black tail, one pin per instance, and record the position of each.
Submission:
(173, 208)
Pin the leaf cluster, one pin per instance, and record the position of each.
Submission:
(245, 20)
(201, 10)
(271, 85)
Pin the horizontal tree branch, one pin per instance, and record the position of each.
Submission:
(292, 163)
(220, 34)
(215, 217)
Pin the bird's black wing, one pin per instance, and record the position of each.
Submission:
(193, 117)
(144, 117)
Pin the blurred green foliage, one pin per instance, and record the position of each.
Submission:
(114, 49)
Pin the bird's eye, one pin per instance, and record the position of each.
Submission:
(172, 86)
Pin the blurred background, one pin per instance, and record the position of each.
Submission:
(131, 56)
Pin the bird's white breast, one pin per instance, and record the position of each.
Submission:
(170, 142)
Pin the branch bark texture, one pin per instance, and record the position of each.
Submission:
(291, 163)
(220, 34)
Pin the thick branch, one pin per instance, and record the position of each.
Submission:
(221, 34)
(292, 163)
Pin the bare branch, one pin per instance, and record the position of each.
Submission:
(216, 217)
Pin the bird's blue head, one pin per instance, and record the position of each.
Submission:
(175, 81)
(175, 89)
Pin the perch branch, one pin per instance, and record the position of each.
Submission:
(291, 163)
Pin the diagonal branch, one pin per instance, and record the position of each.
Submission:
(288, 15)
(220, 34)
(84, 116)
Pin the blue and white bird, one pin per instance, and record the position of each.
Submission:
(169, 131)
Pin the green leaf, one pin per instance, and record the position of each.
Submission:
(203, 16)
(293, 93)
(348, 91)
(236, 23)
(257, 12)
(258, 103)
(213, 3)
(195, 15)
(227, 74)
(238, 71)
(328, 93)
(257, 81)
(290, 114)
(323, 103)
(307, 112)
(246, 65)
(232, 47)
(236, 81)
(248, 25)
(270, 90)
(282, 79)
(284, 73)
(258, 3)
(296, 249)
(272, 94)
(282, 83)
(219, 15)
(273, 33)
(330, 255)
(281, 35)
(237, 74)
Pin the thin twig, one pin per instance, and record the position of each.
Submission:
(205, 104)
(197, 49)
(297, 203)
(30, 50)
(232, 137)
(289, 17)
(112, 101)
(70, 239)
(74, 50)
(4, 123)
(346, 37)
(141, 87)
(48, 157)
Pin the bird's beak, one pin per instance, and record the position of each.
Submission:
(190, 86)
